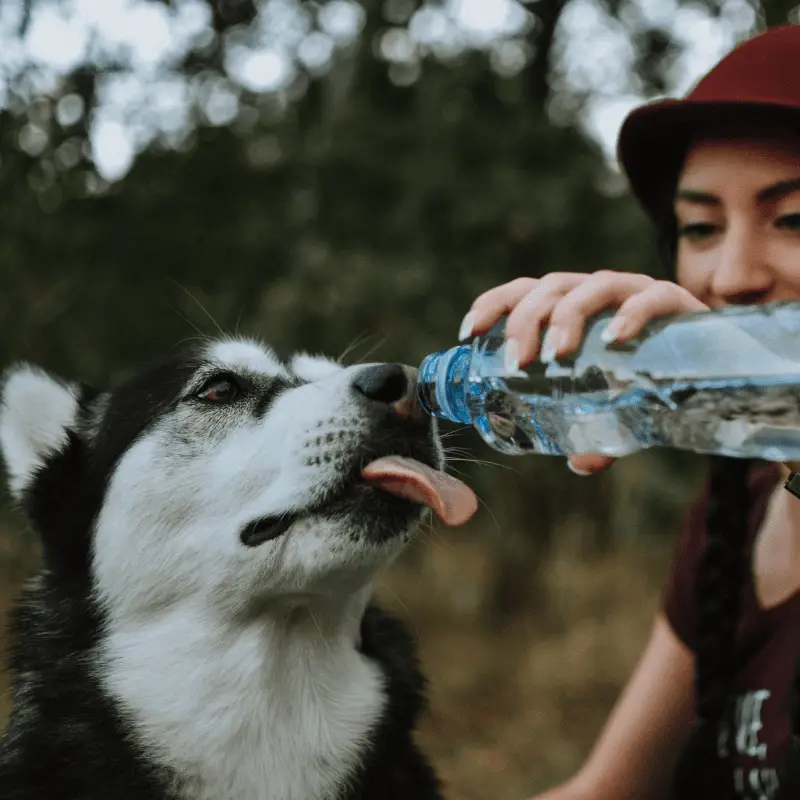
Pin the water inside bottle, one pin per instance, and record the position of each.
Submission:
(712, 384)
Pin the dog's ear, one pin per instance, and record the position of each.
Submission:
(37, 411)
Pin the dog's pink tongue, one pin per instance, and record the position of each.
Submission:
(448, 497)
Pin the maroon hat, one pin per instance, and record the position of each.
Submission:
(759, 79)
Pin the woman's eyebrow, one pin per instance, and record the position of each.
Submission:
(779, 190)
(769, 194)
(696, 196)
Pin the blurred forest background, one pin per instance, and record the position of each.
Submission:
(345, 177)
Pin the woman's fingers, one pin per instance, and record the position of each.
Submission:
(661, 299)
(533, 312)
(637, 298)
(600, 291)
(503, 300)
(563, 302)
(490, 306)
(589, 463)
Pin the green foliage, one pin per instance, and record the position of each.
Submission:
(349, 209)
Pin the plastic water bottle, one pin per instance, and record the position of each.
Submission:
(724, 381)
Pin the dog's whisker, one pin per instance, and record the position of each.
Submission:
(455, 470)
(457, 452)
(454, 449)
(357, 342)
(483, 463)
(454, 432)
(438, 544)
(238, 321)
(202, 308)
(436, 537)
(410, 616)
(316, 624)
(491, 513)
(372, 350)
(201, 335)
(186, 339)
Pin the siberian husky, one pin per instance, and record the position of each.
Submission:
(202, 627)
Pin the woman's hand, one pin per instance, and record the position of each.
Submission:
(562, 302)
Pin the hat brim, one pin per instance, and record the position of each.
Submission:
(654, 139)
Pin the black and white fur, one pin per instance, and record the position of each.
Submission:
(202, 627)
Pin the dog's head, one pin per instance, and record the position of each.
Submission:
(225, 475)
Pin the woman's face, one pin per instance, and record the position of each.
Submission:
(737, 207)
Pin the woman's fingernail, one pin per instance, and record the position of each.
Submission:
(572, 468)
(467, 324)
(511, 357)
(550, 345)
(613, 330)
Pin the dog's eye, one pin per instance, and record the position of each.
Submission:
(219, 390)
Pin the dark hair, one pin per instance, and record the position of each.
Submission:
(703, 768)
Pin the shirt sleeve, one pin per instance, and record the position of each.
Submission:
(678, 601)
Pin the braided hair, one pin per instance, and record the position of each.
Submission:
(704, 766)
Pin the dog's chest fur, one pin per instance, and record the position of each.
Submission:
(69, 738)
(274, 717)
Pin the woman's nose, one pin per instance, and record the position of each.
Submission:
(742, 275)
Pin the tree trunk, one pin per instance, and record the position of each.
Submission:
(774, 12)
(542, 38)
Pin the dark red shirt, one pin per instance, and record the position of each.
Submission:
(769, 644)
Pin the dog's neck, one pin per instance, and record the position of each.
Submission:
(274, 706)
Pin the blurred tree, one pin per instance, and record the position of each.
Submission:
(777, 12)
(372, 195)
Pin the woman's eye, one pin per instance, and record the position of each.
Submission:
(219, 391)
(695, 231)
(789, 222)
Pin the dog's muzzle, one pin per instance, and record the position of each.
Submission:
(400, 473)
(399, 462)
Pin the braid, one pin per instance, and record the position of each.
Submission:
(719, 584)
(720, 578)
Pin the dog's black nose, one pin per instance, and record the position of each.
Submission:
(394, 385)
(386, 383)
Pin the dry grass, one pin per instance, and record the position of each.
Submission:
(514, 706)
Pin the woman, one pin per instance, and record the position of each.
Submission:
(708, 710)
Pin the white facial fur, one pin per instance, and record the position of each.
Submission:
(239, 666)
(181, 495)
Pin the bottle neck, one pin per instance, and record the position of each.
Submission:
(442, 384)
